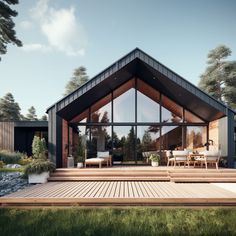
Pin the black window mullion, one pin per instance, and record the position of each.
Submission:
(135, 128)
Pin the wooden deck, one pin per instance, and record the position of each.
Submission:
(121, 193)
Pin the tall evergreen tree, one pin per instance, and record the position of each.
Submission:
(219, 78)
(7, 32)
(230, 84)
(31, 114)
(9, 109)
(79, 78)
(44, 118)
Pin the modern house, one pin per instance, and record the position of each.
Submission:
(18, 135)
(137, 105)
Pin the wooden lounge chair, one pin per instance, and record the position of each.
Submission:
(170, 158)
(106, 156)
(102, 158)
(210, 157)
(180, 156)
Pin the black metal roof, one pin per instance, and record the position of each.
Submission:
(139, 64)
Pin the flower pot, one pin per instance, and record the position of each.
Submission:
(70, 162)
(155, 163)
(38, 178)
(80, 165)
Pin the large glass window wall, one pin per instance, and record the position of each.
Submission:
(135, 118)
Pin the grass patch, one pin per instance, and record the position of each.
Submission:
(11, 169)
(117, 221)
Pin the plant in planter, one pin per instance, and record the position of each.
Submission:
(38, 170)
(79, 153)
(80, 161)
(155, 158)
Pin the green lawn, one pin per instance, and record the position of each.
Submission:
(117, 221)
(11, 169)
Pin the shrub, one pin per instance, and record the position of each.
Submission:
(25, 161)
(2, 164)
(38, 166)
(10, 157)
(39, 148)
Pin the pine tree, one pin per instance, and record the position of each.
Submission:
(44, 118)
(7, 32)
(9, 109)
(31, 114)
(39, 148)
(218, 80)
(79, 78)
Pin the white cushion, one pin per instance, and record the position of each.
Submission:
(94, 160)
(180, 153)
(212, 158)
(211, 153)
(103, 154)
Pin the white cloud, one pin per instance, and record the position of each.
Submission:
(35, 47)
(61, 27)
(26, 25)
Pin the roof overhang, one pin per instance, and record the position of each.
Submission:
(140, 65)
(31, 124)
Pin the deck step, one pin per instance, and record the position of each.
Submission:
(184, 175)
(203, 180)
(107, 174)
(109, 178)
(203, 175)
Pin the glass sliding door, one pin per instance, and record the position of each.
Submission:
(124, 145)
(148, 139)
(171, 139)
(100, 140)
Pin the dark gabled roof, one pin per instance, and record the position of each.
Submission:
(139, 64)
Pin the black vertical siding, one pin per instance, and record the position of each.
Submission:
(231, 143)
(52, 135)
(55, 137)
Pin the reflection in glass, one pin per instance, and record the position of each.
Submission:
(171, 138)
(148, 110)
(196, 137)
(124, 144)
(171, 112)
(124, 103)
(147, 140)
(101, 110)
(100, 140)
(80, 142)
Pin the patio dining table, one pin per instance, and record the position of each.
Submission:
(193, 158)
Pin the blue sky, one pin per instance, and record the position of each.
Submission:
(60, 36)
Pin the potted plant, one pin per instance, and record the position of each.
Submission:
(155, 158)
(38, 170)
(80, 161)
(80, 153)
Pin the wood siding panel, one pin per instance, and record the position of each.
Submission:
(65, 139)
(7, 136)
